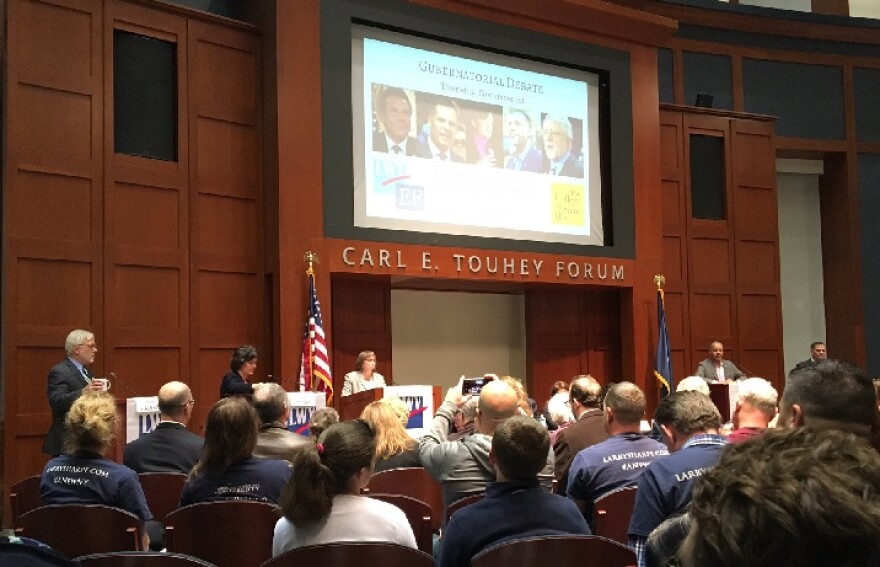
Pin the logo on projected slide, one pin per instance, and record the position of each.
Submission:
(416, 405)
(410, 197)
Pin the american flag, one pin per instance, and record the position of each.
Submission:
(314, 372)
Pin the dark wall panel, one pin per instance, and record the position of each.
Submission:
(808, 99)
(708, 74)
(867, 99)
(666, 75)
(869, 212)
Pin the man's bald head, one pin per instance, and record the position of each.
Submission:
(498, 401)
(174, 400)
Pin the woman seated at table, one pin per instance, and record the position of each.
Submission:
(394, 446)
(83, 475)
(227, 471)
(242, 366)
(364, 377)
(322, 502)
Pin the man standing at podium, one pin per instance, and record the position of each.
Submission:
(67, 381)
(715, 368)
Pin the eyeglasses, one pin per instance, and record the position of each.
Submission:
(193, 402)
(553, 134)
(90, 346)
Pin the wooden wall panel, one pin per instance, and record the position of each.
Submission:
(361, 321)
(723, 275)
(106, 242)
(227, 305)
(570, 333)
(147, 280)
(52, 225)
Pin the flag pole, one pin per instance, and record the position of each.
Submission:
(311, 259)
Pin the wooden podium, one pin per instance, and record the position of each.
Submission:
(350, 407)
(723, 394)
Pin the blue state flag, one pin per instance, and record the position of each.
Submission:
(663, 362)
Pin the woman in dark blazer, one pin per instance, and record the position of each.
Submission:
(242, 366)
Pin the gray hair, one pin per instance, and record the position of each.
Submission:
(693, 384)
(76, 338)
(559, 408)
(563, 122)
(270, 401)
(758, 393)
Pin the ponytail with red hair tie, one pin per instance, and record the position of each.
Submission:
(320, 448)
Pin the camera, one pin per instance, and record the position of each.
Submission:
(473, 386)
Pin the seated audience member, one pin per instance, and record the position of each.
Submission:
(516, 505)
(83, 475)
(321, 419)
(523, 399)
(585, 398)
(170, 447)
(464, 420)
(754, 410)
(789, 497)
(829, 395)
(275, 440)
(618, 461)
(322, 502)
(693, 384)
(690, 423)
(559, 412)
(394, 446)
(560, 386)
(227, 470)
(463, 467)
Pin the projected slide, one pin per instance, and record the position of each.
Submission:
(452, 140)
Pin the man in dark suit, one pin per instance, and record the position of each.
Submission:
(170, 447)
(818, 353)
(558, 136)
(394, 111)
(66, 382)
(520, 137)
(443, 128)
(585, 397)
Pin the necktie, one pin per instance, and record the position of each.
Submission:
(86, 375)
(441, 156)
(396, 149)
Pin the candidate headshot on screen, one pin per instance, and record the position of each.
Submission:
(519, 141)
(394, 111)
(483, 145)
(558, 136)
(442, 131)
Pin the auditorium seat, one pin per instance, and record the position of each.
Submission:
(462, 502)
(82, 529)
(560, 550)
(611, 513)
(162, 490)
(24, 496)
(417, 512)
(413, 481)
(359, 554)
(142, 559)
(231, 533)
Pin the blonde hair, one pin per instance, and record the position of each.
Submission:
(693, 384)
(91, 422)
(400, 408)
(521, 396)
(391, 437)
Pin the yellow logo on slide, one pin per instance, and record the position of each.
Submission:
(567, 206)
